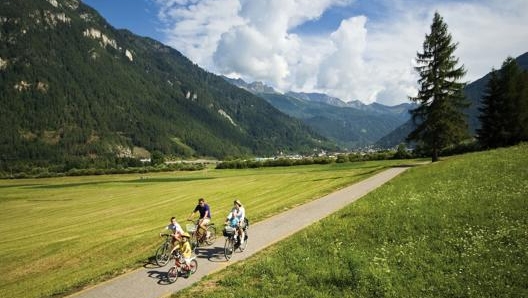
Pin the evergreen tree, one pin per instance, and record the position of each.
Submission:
(523, 107)
(504, 111)
(516, 96)
(492, 127)
(439, 119)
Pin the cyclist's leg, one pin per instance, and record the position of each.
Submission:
(241, 234)
(204, 222)
(203, 225)
(186, 263)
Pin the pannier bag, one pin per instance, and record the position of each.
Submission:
(228, 231)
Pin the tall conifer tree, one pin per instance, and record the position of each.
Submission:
(504, 111)
(439, 117)
(492, 127)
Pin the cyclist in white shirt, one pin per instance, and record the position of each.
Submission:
(240, 213)
(176, 230)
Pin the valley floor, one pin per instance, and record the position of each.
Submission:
(149, 281)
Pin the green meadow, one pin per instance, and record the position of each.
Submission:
(61, 234)
(456, 228)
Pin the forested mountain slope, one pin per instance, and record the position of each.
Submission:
(74, 88)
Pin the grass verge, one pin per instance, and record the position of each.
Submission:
(457, 228)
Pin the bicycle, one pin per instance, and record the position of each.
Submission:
(180, 268)
(205, 239)
(233, 242)
(163, 254)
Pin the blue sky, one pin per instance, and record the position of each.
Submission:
(351, 49)
(139, 16)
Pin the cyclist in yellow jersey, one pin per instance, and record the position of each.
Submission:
(184, 246)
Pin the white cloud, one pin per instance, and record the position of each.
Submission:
(487, 33)
(343, 72)
(246, 51)
(366, 58)
(194, 27)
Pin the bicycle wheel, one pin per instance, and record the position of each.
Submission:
(163, 254)
(194, 266)
(211, 235)
(173, 274)
(243, 246)
(229, 248)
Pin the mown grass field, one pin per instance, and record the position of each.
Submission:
(456, 228)
(60, 234)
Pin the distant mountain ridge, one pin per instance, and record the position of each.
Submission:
(72, 87)
(318, 97)
(313, 109)
(352, 125)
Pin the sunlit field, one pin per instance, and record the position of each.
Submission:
(456, 228)
(61, 234)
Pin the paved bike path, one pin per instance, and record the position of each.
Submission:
(150, 281)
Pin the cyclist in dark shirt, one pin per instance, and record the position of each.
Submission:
(205, 214)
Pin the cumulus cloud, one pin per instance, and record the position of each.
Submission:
(344, 72)
(365, 57)
(487, 33)
(245, 51)
(195, 27)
